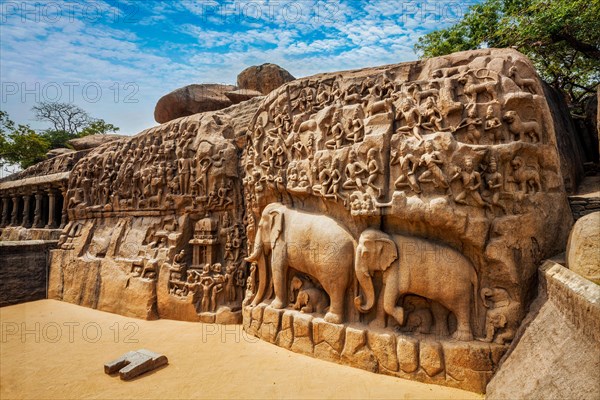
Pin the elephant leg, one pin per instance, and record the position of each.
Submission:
(279, 285)
(389, 304)
(440, 318)
(463, 327)
(335, 315)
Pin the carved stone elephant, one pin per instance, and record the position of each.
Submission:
(311, 300)
(420, 267)
(501, 316)
(313, 244)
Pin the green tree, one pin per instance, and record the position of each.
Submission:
(19, 144)
(561, 37)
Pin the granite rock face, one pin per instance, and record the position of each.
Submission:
(92, 141)
(263, 78)
(192, 99)
(583, 248)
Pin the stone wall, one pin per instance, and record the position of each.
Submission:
(24, 270)
(558, 345)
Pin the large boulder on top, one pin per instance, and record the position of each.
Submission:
(263, 78)
(192, 99)
(91, 141)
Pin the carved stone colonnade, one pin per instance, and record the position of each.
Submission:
(35, 202)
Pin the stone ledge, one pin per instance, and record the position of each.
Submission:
(428, 359)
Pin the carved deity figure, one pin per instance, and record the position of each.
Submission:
(432, 159)
(412, 117)
(184, 168)
(493, 126)
(471, 183)
(374, 169)
(431, 117)
(356, 128)
(494, 183)
(408, 167)
(472, 123)
(355, 170)
(336, 131)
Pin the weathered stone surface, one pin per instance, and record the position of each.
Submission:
(23, 270)
(192, 99)
(263, 78)
(237, 96)
(285, 337)
(93, 141)
(328, 340)
(135, 363)
(356, 352)
(302, 325)
(408, 354)
(383, 346)
(556, 357)
(58, 152)
(431, 357)
(226, 316)
(270, 324)
(583, 248)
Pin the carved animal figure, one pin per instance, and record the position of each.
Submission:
(417, 266)
(472, 88)
(501, 317)
(379, 107)
(419, 320)
(311, 300)
(312, 244)
(526, 84)
(525, 176)
(154, 201)
(522, 129)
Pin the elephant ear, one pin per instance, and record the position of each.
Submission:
(276, 226)
(387, 253)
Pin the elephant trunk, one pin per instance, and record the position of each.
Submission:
(366, 284)
(255, 252)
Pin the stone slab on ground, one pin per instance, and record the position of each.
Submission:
(135, 363)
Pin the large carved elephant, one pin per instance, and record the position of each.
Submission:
(313, 244)
(419, 267)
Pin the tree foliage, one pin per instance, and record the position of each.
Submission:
(21, 145)
(561, 37)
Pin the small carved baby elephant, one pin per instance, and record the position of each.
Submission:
(311, 300)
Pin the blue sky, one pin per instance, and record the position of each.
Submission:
(116, 58)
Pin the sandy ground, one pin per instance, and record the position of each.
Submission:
(55, 350)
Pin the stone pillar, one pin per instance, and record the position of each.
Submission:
(5, 203)
(51, 209)
(15, 211)
(26, 208)
(37, 218)
(64, 217)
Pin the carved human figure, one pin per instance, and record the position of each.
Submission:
(493, 126)
(336, 132)
(355, 170)
(375, 170)
(206, 284)
(356, 128)
(471, 183)
(472, 123)
(216, 289)
(408, 167)
(494, 182)
(184, 167)
(432, 160)
(412, 117)
(431, 117)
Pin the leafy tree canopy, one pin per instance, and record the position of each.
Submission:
(561, 37)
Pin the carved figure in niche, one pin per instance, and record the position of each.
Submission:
(526, 177)
(292, 175)
(472, 122)
(311, 300)
(471, 182)
(502, 309)
(522, 129)
(296, 146)
(472, 88)
(431, 117)
(411, 115)
(452, 283)
(184, 167)
(418, 320)
(336, 131)
(310, 146)
(356, 128)
(324, 176)
(216, 289)
(222, 194)
(206, 284)
(304, 180)
(375, 170)
(432, 159)
(494, 182)
(525, 84)
(355, 170)
(295, 286)
(408, 167)
(493, 126)
(280, 230)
